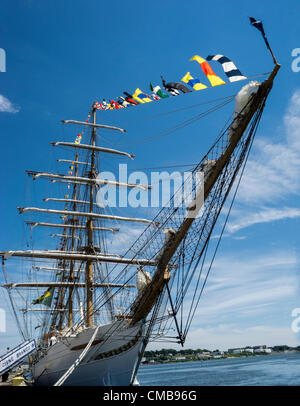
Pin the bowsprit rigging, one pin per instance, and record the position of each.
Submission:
(98, 308)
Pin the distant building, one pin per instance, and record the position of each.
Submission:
(259, 348)
(255, 349)
(206, 353)
(262, 349)
(180, 358)
(217, 354)
(203, 356)
(236, 350)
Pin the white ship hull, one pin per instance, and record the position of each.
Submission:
(110, 360)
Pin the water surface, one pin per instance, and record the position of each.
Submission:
(264, 370)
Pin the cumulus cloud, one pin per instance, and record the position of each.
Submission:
(265, 215)
(271, 177)
(227, 336)
(6, 106)
(275, 170)
(238, 283)
(247, 301)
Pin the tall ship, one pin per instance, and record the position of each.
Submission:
(97, 310)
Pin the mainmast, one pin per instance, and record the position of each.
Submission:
(61, 295)
(71, 278)
(89, 227)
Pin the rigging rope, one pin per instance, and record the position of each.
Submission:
(250, 140)
(181, 109)
(196, 105)
(180, 125)
(11, 301)
(78, 360)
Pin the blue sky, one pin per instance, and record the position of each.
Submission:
(63, 55)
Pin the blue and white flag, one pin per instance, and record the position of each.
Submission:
(232, 72)
(259, 25)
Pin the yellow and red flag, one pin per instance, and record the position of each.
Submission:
(214, 79)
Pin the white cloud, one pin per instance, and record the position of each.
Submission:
(263, 216)
(230, 335)
(121, 241)
(6, 106)
(247, 289)
(247, 301)
(275, 170)
(226, 336)
(238, 301)
(272, 175)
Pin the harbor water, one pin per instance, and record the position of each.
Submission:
(263, 370)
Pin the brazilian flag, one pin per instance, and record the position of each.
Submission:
(45, 299)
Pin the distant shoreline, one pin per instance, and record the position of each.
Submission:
(178, 359)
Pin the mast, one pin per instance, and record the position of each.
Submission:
(89, 227)
(61, 296)
(71, 277)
